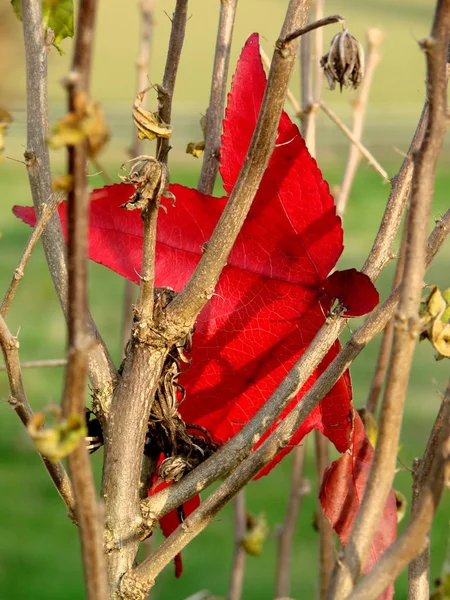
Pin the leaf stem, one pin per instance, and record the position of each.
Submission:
(217, 96)
(239, 555)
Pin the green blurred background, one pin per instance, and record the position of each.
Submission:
(39, 551)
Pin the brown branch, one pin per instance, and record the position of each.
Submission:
(18, 400)
(308, 109)
(46, 215)
(88, 513)
(183, 310)
(165, 91)
(326, 546)
(289, 95)
(247, 469)
(142, 64)
(374, 38)
(434, 473)
(238, 448)
(239, 555)
(356, 143)
(299, 488)
(38, 364)
(407, 318)
(216, 106)
(101, 368)
(134, 394)
(321, 22)
(419, 568)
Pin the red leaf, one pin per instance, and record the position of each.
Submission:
(354, 290)
(341, 495)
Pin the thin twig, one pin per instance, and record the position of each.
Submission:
(326, 546)
(407, 318)
(88, 512)
(311, 26)
(46, 215)
(307, 101)
(367, 155)
(39, 364)
(101, 367)
(18, 400)
(183, 310)
(142, 64)
(239, 555)
(298, 488)
(238, 448)
(419, 568)
(435, 474)
(374, 38)
(247, 469)
(216, 106)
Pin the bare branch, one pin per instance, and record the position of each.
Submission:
(38, 364)
(355, 141)
(240, 555)
(216, 106)
(299, 487)
(435, 471)
(289, 95)
(18, 400)
(326, 546)
(311, 26)
(101, 368)
(46, 215)
(88, 513)
(407, 317)
(374, 38)
(183, 310)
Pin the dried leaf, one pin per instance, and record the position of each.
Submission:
(401, 503)
(58, 441)
(435, 325)
(5, 120)
(196, 149)
(256, 534)
(62, 183)
(149, 124)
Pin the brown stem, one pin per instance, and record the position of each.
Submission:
(320, 22)
(419, 568)
(38, 364)
(239, 556)
(308, 108)
(101, 368)
(142, 64)
(326, 546)
(355, 141)
(88, 513)
(216, 106)
(386, 342)
(238, 448)
(165, 92)
(289, 95)
(407, 318)
(46, 215)
(299, 487)
(434, 473)
(374, 38)
(183, 310)
(18, 400)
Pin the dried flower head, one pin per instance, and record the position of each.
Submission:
(344, 62)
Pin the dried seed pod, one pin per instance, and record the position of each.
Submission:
(344, 62)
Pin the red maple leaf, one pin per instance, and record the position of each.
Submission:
(274, 293)
(342, 492)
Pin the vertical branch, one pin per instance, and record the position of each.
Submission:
(306, 92)
(407, 318)
(101, 367)
(374, 38)
(298, 489)
(419, 568)
(216, 106)
(18, 400)
(78, 334)
(240, 555)
(142, 64)
(326, 545)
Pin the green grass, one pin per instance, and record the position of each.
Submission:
(39, 549)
